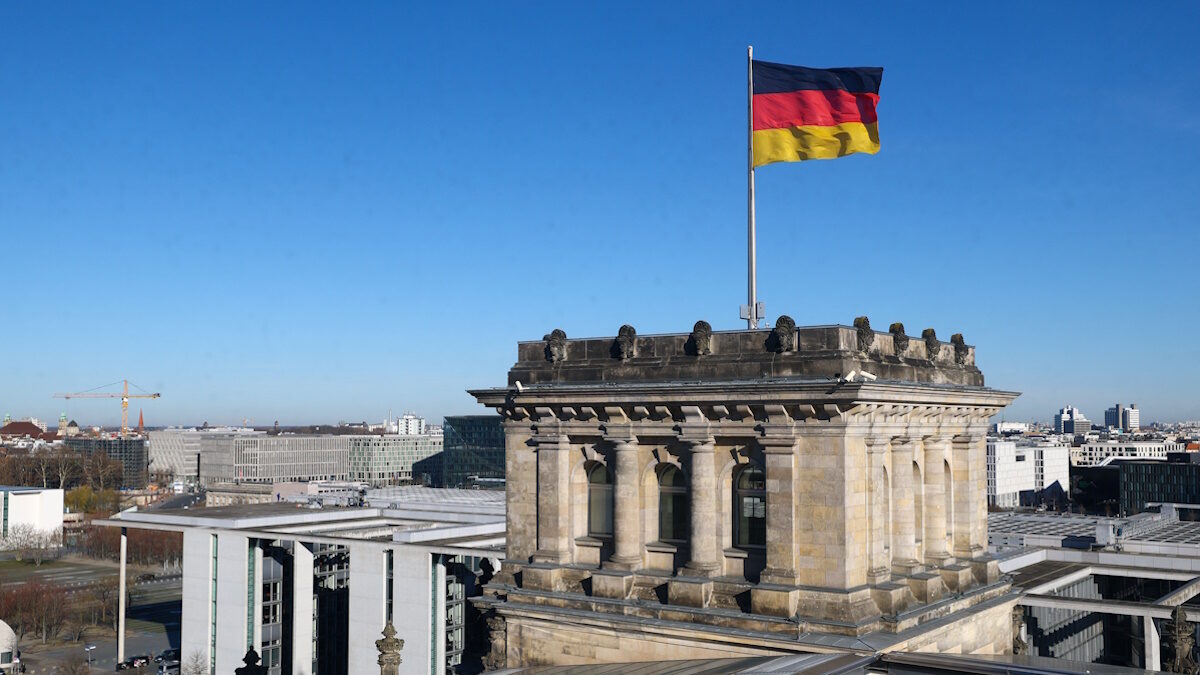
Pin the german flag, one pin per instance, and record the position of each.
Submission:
(802, 113)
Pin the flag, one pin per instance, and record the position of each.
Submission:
(808, 113)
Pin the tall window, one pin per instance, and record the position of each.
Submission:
(672, 505)
(750, 508)
(600, 501)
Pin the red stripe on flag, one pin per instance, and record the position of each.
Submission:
(813, 107)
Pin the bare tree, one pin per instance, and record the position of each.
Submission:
(77, 665)
(196, 664)
(22, 539)
(67, 467)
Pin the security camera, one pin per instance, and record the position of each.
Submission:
(868, 377)
(520, 387)
(850, 377)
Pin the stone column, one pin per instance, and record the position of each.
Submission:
(1153, 655)
(904, 522)
(120, 594)
(627, 522)
(969, 468)
(779, 454)
(878, 548)
(302, 608)
(935, 501)
(705, 558)
(553, 494)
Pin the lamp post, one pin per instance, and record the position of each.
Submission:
(88, 649)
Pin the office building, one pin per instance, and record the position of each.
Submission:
(474, 450)
(409, 424)
(1096, 453)
(388, 460)
(130, 452)
(254, 458)
(1071, 421)
(644, 473)
(1103, 590)
(311, 589)
(1128, 420)
(178, 451)
(1023, 473)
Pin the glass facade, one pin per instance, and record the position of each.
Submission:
(750, 506)
(600, 502)
(130, 452)
(673, 516)
(474, 449)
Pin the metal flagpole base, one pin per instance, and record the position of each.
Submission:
(760, 312)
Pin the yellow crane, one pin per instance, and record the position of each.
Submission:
(124, 395)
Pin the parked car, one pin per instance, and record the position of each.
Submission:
(169, 668)
(134, 662)
(167, 655)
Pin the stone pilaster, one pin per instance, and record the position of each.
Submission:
(904, 522)
(553, 496)
(627, 522)
(969, 467)
(520, 465)
(879, 496)
(779, 454)
(705, 560)
(936, 553)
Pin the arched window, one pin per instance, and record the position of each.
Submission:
(600, 502)
(750, 508)
(673, 507)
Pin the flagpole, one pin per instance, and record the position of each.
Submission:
(752, 316)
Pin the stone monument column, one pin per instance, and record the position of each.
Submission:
(704, 558)
(553, 497)
(779, 454)
(904, 521)
(627, 522)
(935, 501)
(879, 495)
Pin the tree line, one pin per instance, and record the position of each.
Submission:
(142, 547)
(60, 467)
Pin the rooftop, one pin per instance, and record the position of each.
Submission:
(445, 520)
(785, 351)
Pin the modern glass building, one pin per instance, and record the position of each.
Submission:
(388, 460)
(474, 449)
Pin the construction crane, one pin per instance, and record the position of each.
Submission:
(124, 395)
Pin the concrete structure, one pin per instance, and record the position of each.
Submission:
(388, 460)
(1104, 589)
(30, 511)
(130, 452)
(1128, 420)
(1021, 472)
(256, 458)
(312, 589)
(8, 647)
(1071, 421)
(644, 473)
(474, 449)
(178, 451)
(1097, 453)
(409, 424)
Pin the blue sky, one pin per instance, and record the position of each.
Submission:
(306, 213)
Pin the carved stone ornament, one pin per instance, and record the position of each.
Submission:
(1019, 646)
(497, 656)
(783, 335)
(1180, 638)
(625, 346)
(389, 650)
(556, 345)
(960, 348)
(899, 339)
(932, 346)
(866, 336)
(251, 665)
(699, 343)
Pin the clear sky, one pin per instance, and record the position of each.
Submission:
(309, 213)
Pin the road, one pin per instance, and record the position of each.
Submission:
(177, 502)
(152, 625)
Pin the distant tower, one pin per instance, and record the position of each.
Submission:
(141, 422)
(62, 425)
(7, 419)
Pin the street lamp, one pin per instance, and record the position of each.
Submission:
(88, 649)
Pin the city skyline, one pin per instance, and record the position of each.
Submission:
(304, 216)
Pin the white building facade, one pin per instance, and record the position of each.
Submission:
(1017, 468)
(1096, 453)
(310, 590)
(30, 512)
(388, 460)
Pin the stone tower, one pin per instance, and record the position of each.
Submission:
(745, 492)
